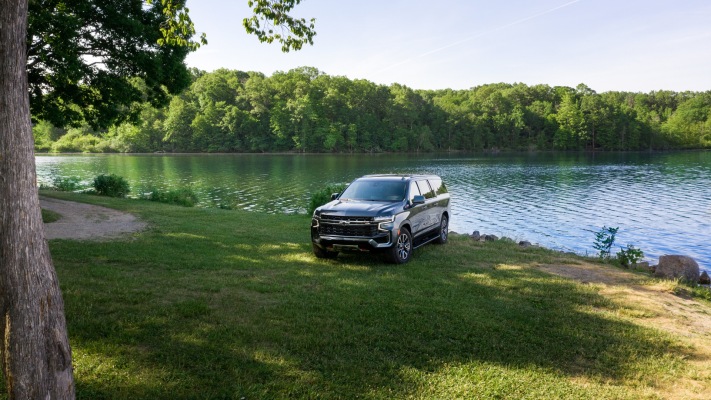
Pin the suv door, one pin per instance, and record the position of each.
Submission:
(418, 213)
(431, 218)
(441, 199)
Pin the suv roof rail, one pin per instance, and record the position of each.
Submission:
(403, 176)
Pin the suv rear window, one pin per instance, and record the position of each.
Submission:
(438, 186)
(425, 189)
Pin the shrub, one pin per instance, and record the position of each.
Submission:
(629, 255)
(604, 240)
(69, 184)
(323, 196)
(111, 186)
(183, 197)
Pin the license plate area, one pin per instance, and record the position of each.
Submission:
(346, 247)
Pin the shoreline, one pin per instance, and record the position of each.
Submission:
(652, 262)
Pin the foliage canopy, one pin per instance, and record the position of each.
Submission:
(306, 110)
(83, 56)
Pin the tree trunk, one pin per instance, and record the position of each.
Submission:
(36, 356)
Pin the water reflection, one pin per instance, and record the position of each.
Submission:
(661, 202)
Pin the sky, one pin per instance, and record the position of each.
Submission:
(609, 45)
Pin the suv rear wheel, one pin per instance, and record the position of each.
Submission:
(401, 251)
(443, 230)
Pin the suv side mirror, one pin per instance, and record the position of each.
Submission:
(418, 199)
(334, 196)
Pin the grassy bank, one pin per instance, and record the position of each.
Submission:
(215, 304)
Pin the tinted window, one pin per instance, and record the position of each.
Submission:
(414, 191)
(375, 191)
(438, 186)
(425, 189)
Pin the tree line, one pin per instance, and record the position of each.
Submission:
(306, 110)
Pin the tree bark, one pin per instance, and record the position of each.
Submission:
(36, 356)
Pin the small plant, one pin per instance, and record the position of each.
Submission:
(183, 197)
(323, 196)
(69, 184)
(111, 185)
(604, 240)
(629, 255)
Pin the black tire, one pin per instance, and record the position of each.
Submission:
(321, 253)
(443, 230)
(401, 251)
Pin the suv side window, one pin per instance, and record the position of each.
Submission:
(425, 189)
(438, 186)
(414, 191)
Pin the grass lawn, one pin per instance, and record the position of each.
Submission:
(221, 304)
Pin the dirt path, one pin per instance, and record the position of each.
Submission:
(656, 305)
(88, 222)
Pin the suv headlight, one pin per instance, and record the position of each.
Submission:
(385, 223)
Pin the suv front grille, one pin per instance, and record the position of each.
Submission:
(347, 226)
(331, 218)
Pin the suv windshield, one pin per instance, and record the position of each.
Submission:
(370, 190)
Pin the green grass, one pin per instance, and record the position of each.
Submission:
(218, 304)
(49, 216)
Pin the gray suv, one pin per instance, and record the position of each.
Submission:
(393, 214)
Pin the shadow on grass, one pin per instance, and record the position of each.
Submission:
(217, 310)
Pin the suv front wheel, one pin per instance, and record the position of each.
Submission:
(401, 251)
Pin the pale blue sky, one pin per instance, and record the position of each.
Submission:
(630, 45)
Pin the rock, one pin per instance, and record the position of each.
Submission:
(475, 235)
(704, 279)
(490, 238)
(677, 266)
(524, 243)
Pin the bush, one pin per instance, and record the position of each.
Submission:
(69, 184)
(111, 186)
(323, 196)
(183, 197)
(604, 240)
(629, 255)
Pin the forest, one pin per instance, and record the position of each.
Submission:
(306, 110)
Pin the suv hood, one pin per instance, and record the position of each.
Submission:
(354, 208)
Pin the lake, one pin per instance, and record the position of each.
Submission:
(660, 202)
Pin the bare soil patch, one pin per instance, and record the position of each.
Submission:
(654, 303)
(88, 222)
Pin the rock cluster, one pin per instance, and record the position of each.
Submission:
(483, 238)
(479, 237)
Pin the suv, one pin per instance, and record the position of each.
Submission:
(390, 213)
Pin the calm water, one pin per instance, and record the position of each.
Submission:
(661, 202)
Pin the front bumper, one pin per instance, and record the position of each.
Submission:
(360, 237)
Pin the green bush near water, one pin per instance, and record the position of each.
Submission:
(111, 186)
(68, 184)
(629, 256)
(323, 196)
(183, 197)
